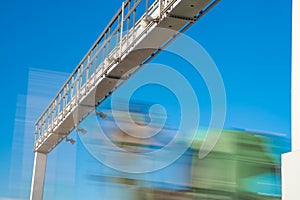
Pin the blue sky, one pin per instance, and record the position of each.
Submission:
(248, 40)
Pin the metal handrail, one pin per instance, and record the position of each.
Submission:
(57, 106)
(86, 56)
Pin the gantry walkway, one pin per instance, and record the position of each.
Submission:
(126, 44)
(138, 32)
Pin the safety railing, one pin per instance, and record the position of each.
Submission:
(122, 31)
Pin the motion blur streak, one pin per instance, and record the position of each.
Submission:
(243, 165)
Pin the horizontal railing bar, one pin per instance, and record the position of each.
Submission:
(86, 55)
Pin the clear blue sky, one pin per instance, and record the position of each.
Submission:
(249, 41)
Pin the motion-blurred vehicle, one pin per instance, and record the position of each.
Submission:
(243, 165)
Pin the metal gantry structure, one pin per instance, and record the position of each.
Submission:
(138, 32)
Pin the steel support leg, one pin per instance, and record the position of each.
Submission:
(290, 175)
(38, 176)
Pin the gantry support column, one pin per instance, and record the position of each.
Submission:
(38, 176)
(291, 161)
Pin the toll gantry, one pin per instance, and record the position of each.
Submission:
(137, 33)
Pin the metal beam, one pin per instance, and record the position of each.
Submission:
(38, 177)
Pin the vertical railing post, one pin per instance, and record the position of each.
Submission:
(55, 112)
(121, 31)
(87, 71)
(160, 9)
(108, 39)
(65, 100)
(73, 85)
(118, 38)
(52, 116)
(128, 25)
(134, 21)
(77, 87)
(36, 134)
(61, 104)
(80, 77)
(147, 6)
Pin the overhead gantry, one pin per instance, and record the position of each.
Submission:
(138, 32)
